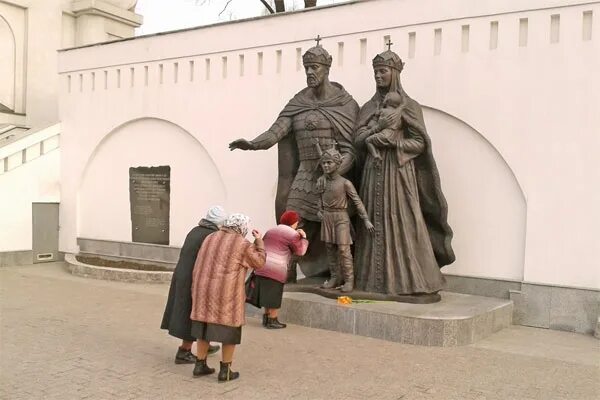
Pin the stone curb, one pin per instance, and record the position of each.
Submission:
(115, 274)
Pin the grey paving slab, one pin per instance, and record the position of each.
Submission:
(94, 339)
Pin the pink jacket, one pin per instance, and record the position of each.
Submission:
(280, 243)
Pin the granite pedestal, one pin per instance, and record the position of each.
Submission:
(458, 319)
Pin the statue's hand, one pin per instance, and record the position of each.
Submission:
(385, 122)
(321, 183)
(389, 120)
(242, 144)
(361, 135)
(320, 215)
(370, 227)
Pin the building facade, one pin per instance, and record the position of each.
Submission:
(510, 97)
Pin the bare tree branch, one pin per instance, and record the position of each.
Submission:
(225, 8)
(268, 6)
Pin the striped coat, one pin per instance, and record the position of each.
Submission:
(218, 294)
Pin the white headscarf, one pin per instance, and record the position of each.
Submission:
(216, 215)
(238, 222)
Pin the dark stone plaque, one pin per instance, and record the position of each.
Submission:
(149, 198)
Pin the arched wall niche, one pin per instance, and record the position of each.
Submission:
(103, 197)
(487, 207)
(8, 55)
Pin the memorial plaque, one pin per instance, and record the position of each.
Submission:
(149, 198)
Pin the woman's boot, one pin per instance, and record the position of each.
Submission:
(226, 374)
(265, 318)
(201, 368)
(273, 323)
(212, 349)
(184, 356)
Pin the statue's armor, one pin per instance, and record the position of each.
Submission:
(308, 126)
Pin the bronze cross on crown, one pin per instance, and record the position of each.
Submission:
(389, 44)
(318, 39)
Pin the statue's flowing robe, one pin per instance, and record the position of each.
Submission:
(403, 197)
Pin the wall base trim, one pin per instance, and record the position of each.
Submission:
(538, 305)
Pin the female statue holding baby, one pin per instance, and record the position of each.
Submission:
(400, 188)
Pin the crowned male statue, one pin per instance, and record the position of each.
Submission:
(322, 111)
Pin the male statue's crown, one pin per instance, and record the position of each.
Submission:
(317, 55)
(388, 59)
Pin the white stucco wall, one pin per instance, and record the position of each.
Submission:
(487, 209)
(104, 191)
(39, 29)
(19, 189)
(512, 120)
(12, 67)
(37, 26)
(7, 67)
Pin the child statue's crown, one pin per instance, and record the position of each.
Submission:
(332, 155)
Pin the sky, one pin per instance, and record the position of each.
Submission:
(168, 15)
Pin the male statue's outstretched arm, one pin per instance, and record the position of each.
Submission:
(266, 140)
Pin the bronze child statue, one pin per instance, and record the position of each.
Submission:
(336, 229)
(392, 104)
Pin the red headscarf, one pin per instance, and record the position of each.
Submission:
(289, 218)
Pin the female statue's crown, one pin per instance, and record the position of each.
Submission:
(317, 55)
(388, 59)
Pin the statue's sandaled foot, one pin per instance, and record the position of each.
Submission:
(348, 287)
(331, 284)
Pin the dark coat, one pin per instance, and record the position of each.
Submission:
(179, 303)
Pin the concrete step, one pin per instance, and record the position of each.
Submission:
(139, 263)
(143, 252)
(115, 274)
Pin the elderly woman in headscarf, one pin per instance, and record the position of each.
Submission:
(218, 294)
(281, 243)
(176, 318)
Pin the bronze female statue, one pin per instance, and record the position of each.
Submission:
(402, 194)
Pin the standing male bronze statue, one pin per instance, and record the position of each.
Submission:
(322, 111)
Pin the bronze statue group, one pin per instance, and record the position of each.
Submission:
(328, 148)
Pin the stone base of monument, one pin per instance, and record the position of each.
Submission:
(456, 320)
(313, 285)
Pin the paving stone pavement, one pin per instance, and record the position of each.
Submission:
(66, 337)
